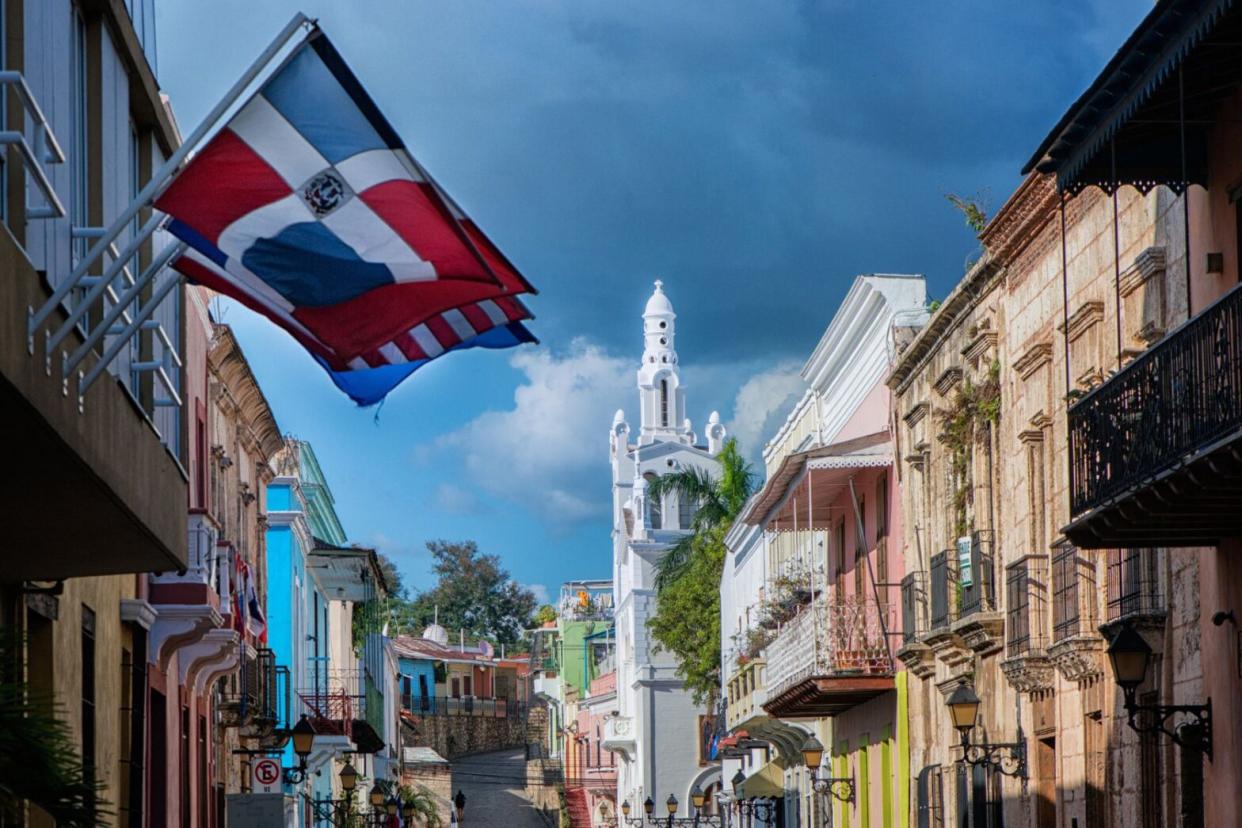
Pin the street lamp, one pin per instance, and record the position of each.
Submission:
(303, 737)
(377, 796)
(1009, 758)
(1130, 656)
(348, 777)
(637, 821)
(697, 797)
(840, 788)
(392, 805)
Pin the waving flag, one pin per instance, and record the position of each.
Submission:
(307, 208)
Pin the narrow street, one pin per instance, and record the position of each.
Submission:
(494, 785)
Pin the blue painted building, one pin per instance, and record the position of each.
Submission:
(317, 587)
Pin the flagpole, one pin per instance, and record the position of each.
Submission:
(161, 176)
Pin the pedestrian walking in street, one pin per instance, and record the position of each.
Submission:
(460, 802)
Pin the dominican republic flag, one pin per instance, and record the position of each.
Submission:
(256, 623)
(370, 376)
(307, 208)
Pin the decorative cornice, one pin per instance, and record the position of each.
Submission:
(916, 413)
(1146, 265)
(983, 342)
(1080, 321)
(1021, 218)
(1035, 357)
(947, 381)
(138, 611)
(1030, 436)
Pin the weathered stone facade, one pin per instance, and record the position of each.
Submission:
(1009, 606)
(454, 736)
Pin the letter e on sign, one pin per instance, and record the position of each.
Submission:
(267, 776)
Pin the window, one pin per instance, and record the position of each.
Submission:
(685, 511)
(1133, 583)
(664, 403)
(655, 505)
(881, 507)
(840, 548)
(860, 551)
(1073, 592)
(1026, 593)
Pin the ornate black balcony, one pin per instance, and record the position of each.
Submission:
(1155, 452)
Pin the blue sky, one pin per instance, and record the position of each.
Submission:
(756, 156)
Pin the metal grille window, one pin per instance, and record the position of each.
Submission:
(979, 595)
(913, 606)
(1133, 583)
(1073, 592)
(943, 589)
(1026, 616)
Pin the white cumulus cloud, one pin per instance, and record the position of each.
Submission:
(549, 452)
(762, 404)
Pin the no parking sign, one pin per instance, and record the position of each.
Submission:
(266, 776)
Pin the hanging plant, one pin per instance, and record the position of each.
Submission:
(968, 421)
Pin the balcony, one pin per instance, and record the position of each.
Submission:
(1155, 458)
(619, 736)
(1077, 648)
(747, 693)
(914, 653)
(833, 655)
(1026, 665)
(256, 697)
(979, 622)
(190, 605)
(1134, 590)
(100, 493)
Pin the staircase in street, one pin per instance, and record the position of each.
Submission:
(579, 808)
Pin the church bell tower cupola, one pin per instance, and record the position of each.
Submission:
(659, 379)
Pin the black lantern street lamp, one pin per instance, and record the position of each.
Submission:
(637, 821)
(840, 788)
(303, 737)
(1009, 758)
(1130, 656)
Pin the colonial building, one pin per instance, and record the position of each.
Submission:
(95, 489)
(810, 614)
(656, 733)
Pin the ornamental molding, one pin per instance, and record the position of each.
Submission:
(916, 413)
(1029, 672)
(978, 347)
(180, 625)
(1034, 358)
(1147, 264)
(947, 381)
(1079, 657)
(918, 659)
(138, 611)
(982, 631)
(1082, 320)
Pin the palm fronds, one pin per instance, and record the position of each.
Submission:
(39, 760)
(424, 802)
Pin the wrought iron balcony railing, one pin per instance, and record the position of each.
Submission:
(830, 637)
(943, 589)
(1026, 611)
(913, 606)
(979, 584)
(1181, 396)
(1134, 584)
(1073, 593)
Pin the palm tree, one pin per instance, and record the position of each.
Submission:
(719, 499)
(424, 803)
(39, 759)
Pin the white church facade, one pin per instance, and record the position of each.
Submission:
(658, 732)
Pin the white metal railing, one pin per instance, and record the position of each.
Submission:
(830, 637)
(46, 149)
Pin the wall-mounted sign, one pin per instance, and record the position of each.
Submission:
(964, 574)
(266, 776)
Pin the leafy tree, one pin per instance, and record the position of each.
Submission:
(474, 593)
(544, 614)
(687, 618)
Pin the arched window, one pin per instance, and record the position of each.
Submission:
(656, 507)
(664, 403)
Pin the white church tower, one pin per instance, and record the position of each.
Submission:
(658, 731)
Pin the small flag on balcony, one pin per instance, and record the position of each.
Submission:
(307, 208)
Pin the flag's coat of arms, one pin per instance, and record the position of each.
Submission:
(307, 207)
